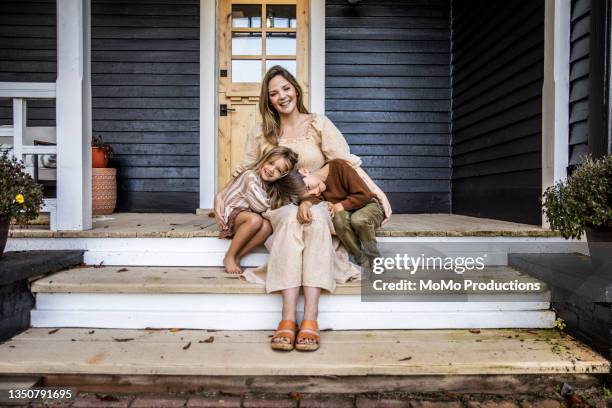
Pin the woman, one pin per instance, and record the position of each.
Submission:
(301, 252)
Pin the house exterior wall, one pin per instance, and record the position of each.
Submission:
(498, 55)
(28, 54)
(145, 87)
(387, 88)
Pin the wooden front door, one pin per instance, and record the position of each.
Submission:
(255, 35)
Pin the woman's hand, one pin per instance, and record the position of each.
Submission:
(304, 216)
(220, 211)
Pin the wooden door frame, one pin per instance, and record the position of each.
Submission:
(209, 104)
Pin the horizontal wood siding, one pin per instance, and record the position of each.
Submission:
(145, 86)
(579, 80)
(28, 54)
(497, 63)
(387, 88)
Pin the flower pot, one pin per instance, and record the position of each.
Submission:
(99, 156)
(104, 191)
(4, 228)
(600, 249)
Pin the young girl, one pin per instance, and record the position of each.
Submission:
(251, 194)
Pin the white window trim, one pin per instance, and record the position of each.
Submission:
(317, 56)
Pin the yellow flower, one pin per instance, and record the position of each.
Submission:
(20, 198)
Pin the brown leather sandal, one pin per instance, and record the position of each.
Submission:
(286, 330)
(309, 329)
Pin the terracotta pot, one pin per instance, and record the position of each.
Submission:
(104, 191)
(99, 157)
(4, 228)
(600, 249)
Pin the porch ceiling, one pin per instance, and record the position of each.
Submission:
(132, 225)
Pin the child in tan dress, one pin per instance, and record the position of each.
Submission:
(253, 192)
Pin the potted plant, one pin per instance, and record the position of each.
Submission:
(100, 153)
(584, 203)
(20, 196)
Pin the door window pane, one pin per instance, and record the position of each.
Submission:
(246, 43)
(246, 15)
(246, 70)
(281, 16)
(289, 65)
(280, 44)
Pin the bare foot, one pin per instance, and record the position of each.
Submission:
(232, 265)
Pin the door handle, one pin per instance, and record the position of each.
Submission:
(223, 109)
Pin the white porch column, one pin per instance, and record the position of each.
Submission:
(555, 93)
(317, 56)
(73, 113)
(208, 103)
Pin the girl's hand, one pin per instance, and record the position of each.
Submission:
(330, 209)
(220, 211)
(304, 215)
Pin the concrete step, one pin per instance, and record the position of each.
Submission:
(207, 298)
(347, 353)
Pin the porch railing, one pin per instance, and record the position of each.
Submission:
(20, 92)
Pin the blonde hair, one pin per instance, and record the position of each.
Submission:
(288, 189)
(274, 153)
(270, 118)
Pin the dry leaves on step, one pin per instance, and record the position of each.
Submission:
(53, 331)
(475, 331)
(123, 340)
(174, 330)
(208, 340)
(107, 398)
(123, 270)
(405, 358)
(187, 346)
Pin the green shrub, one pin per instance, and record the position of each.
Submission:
(20, 196)
(584, 200)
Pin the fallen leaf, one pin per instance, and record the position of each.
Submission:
(91, 332)
(123, 270)
(12, 346)
(211, 215)
(187, 346)
(174, 330)
(207, 277)
(210, 331)
(475, 331)
(123, 340)
(53, 331)
(406, 358)
(208, 340)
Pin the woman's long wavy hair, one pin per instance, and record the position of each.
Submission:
(288, 189)
(269, 115)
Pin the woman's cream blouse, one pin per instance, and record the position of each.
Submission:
(322, 143)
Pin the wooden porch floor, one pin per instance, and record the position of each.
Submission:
(131, 225)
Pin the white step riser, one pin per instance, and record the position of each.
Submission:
(261, 312)
(203, 251)
(269, 320)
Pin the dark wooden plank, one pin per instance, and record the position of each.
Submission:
(579, 69)
(165, 149)
(375, 117)
(388, 82)
(414, 186)
(28, 55)
(149, 103)
(412, 22)
(145, 114)
(410, 203)
(579, 134)
(394, 150)
(402, 33)
(520, 146)
(143, 91)
(506, 165)
(524, 128)
(370, 10)
(144, 9)
(147, 56)
(409, 173)
(579, 111)
(145, 68)
(181, 185)
(145, 126)
(388, 70)
(157, 202)
(145, 45)
(154, 161)
(369, 94)
(355, 58)
(393, 127)
(148, 80)
(144, 33)
(580, 28)
(150, 137)
(398, 139)
(405, 161)
(580, 48)
(158, 172)
(580, 8)
(383, 105)
(577, 154)
(385, 46)
(579, 89)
